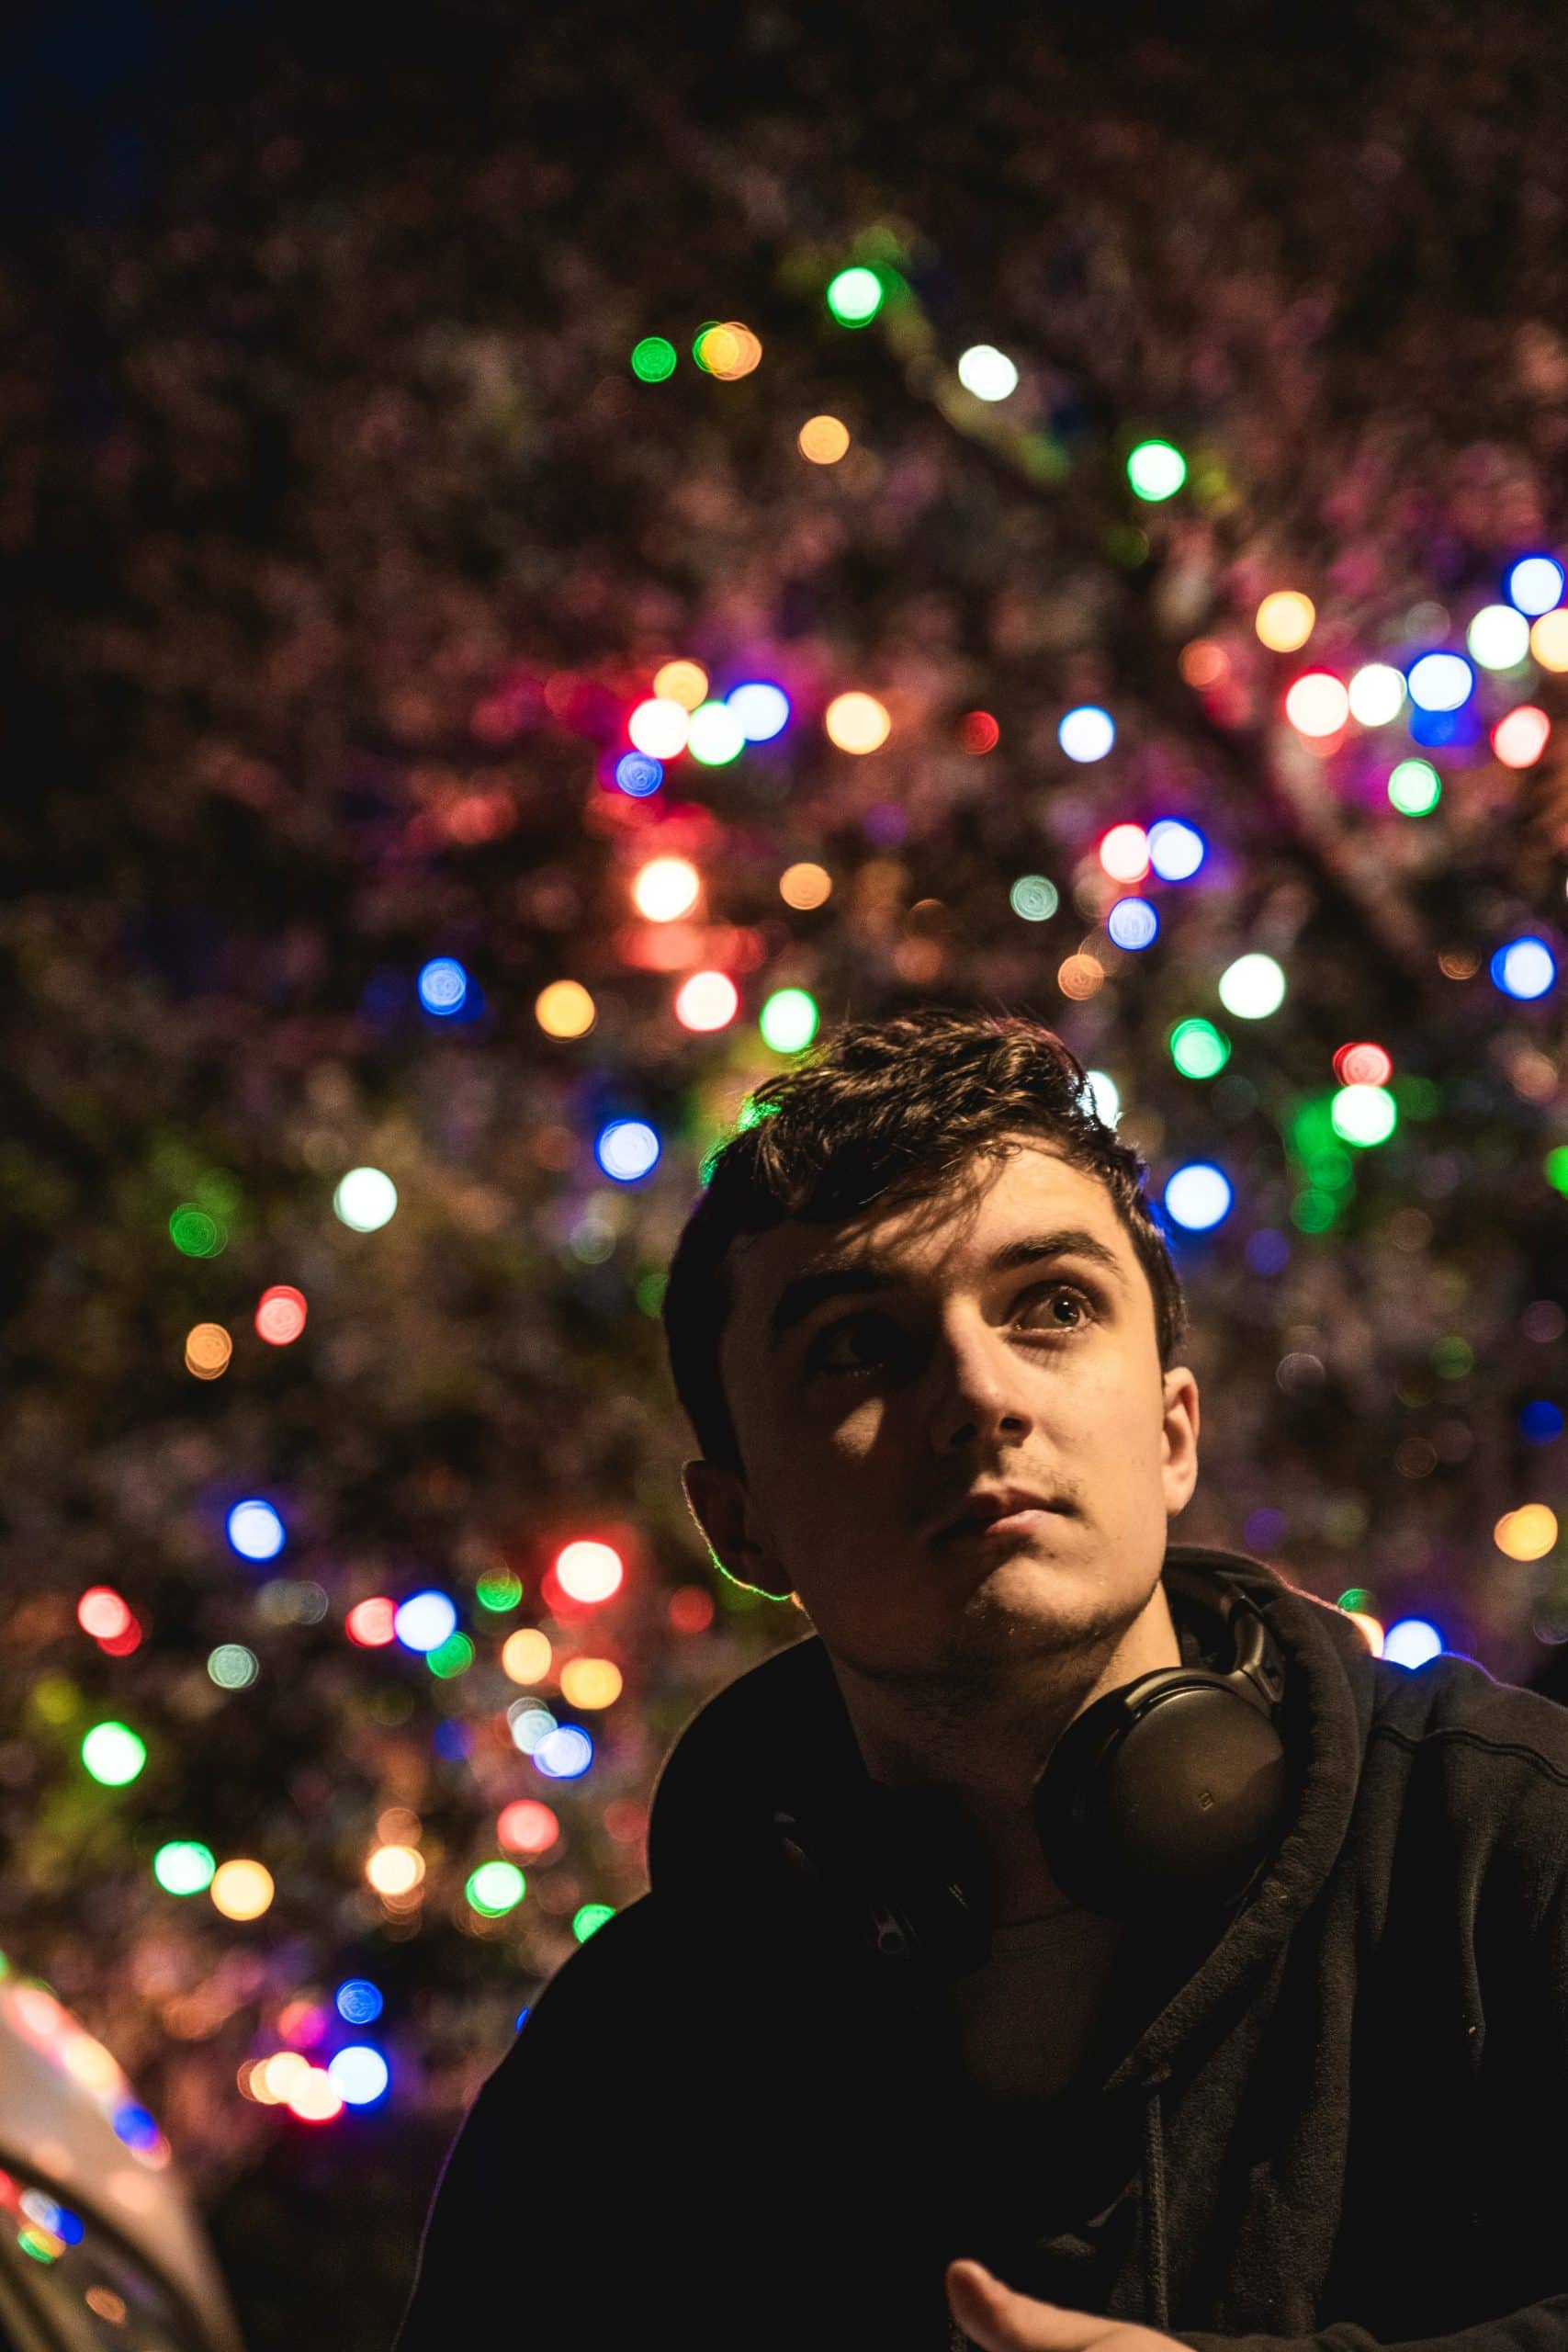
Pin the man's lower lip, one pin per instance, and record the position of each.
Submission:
(1017, 1522)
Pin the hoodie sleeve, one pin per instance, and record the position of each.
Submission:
(1538, 2327)
(513, 2228)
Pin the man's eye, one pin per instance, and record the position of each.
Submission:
(817, 1360)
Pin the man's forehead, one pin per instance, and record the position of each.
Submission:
(1036, 1182)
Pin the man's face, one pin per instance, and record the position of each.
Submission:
(864, 1421)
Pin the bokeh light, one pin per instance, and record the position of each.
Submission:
(242, 1890)
(1317, 704)
(665, 888)
(359, 2074)
(855, 296)
(1549, 640)
(686, 683)
(207, 1351)
(102, 1612)
(986, 372)
(114, 1754)
(1124, 852)
(395, 1869)
(525, 1654)
(760, 710)
(443, 987)
(526, 1827)
(371, 1624)
(1519, 739)
(789, 1021)
(184, 1866)
(627, 1150)
(823, 439)
(1252, 988)
(365, 1200)
(255, 1529)
(1156, 469)
(1441, 682)
(1414, 787)
(1535, 584)
(590, 1571)
(1285, 621)
(857, 722)
(1176, 849)
(716, 735)
(280, 1315)
(1198, 1196)
(564, 1754)
(660, 727)
(805, 885)
(1377, 693)
(1525, 968)
(1498, 638)
(590, 1683)
(565, 1009)
(425, 1620)
(495, 1888)
(1087, 733)
(706, 1000)
(653, 359)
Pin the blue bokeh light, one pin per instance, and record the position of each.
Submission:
(359, 2000)
(1132, 923)
(256, 1530)
(564, 1754)
(1198, 1196)
(1176, 849)
(133, 2126)
(1524, 968)
(360, 2074)
(1412, 1642)
(625, 1149)
(762, 711)
(1534, 585)
(1441, 682)
(638, 774)
(1087, 733)
(425, 1621)
(443, 986)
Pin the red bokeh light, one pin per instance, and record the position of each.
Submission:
(1363, 1064)
(102, 1612)
(978, 732)
(1519, 740)
(280, 1314)
(526, 1828)
(369, 1622)
(690, 1609)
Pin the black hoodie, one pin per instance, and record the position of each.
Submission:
(1336, 2117)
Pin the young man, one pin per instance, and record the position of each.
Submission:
(1080, 1940)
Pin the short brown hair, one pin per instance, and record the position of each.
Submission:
(889, 1108)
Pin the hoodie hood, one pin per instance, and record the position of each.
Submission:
(780, 1737)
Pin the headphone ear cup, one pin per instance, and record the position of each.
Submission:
(1161, 1798)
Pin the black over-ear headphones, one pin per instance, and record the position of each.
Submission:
(1163, 1797)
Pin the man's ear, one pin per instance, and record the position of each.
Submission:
(717, 1500)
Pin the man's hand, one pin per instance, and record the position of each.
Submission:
(992, 2316)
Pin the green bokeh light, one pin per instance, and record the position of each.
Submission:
(113, 1754)
(196, 1233)
(501, 1591)
(1198, 1049)
(1364, 1115)
(589, 1917)
(1414, 787)
(1156, 470)
(1034, 898)
(495, 1888)
(183, 1867)
(789, 1021)
(855, 296)
(452, 1656)
(653, 359)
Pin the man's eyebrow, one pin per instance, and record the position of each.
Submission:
(848, 1277)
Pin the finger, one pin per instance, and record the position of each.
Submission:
(998, 2320)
